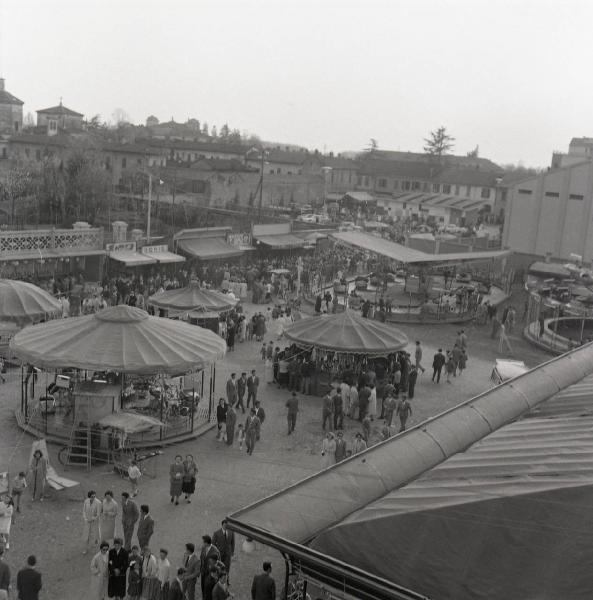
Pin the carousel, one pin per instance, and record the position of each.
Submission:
(115, 381)
(199, 306)
(342, 342)
(22, 304)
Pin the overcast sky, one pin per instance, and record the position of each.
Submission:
(513, 77)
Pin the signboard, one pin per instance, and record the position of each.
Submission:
(154, 249)
(239, 240)
(121, 247)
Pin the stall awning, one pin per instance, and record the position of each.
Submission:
(282, 240)
(168, 257)
(132, 259)
(209, 248)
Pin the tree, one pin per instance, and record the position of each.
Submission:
(95, 124)
(205, 129)
(225, 132)
(373, 145)
(235, 137)
(29, 121)
(16, 188)
(120, 116)
(474, 153)
(439, 142)
(213, 132)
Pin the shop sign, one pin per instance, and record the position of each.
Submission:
(239, 240)
(121, 247)
(155, 249)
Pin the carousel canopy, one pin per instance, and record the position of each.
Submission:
(25, 303)
(123, 339)
(348, 332)
(192, 298)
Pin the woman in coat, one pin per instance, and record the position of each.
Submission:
(221, 418)
(176, 471)
(151, 586)
(135, 575)
(116, 569)
(190, 475)
(37, 474)
(99, 573)
(109, 513)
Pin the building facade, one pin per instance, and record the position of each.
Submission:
(11, 112)
(59, 118)
(550, 215)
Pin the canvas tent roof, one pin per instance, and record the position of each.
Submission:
(120, 338)
(407, 255)
(192, 297)
(24, 303)
(208, 248)
(347, 332)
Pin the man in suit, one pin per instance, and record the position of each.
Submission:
(437, 365)
(264, 586)
(4, 573)
(224, 540)
(241, 388)
(28, 581)
(176, 588)
(117, 568)
(191, 571)
(231, 390)
(252, 385)
(208, 552)
(145, 527)
(252, 431)
(129, 516)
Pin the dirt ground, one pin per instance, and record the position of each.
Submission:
(228, 478)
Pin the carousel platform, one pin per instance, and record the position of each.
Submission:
(59, 433)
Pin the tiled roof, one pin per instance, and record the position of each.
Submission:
(8, 98)
(40, 140)
(59, 110)
(221, 164)
(339, 162)
(131, 148)
(199, 146)
(451, 159)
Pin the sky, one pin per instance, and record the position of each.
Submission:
(511, 76)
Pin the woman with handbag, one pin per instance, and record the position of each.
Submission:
(190, 474)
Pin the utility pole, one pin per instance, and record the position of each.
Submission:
(149, 207)
(261, 184)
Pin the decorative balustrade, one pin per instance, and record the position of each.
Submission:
(16, 242)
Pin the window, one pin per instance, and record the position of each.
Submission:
(271, 171)
(446, 188)
(124, 163)
(53, 125)
(4, 153)
(416, 185)
(37, 154)
(485, 192)
(289, 172)
(526, 192)
(278, 171)
(436, 188)
(552, 195)
(575, 196)
(382, 183)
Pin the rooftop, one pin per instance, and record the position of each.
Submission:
(59, 110)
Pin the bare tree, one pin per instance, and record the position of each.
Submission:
(474, 153)
(16, 188)
(439, 142)
(29, 121)
(120, 116)
(373, 145)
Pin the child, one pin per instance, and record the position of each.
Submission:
(134, 474)
(240, 435)
(6, 508)
(19, 483)
(366, 428)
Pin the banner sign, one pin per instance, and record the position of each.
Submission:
(154, 249)
(121, 247)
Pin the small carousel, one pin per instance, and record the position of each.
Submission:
(197, 305)
(343, 342)
(107, 384)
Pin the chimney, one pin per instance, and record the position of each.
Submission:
(1, 84)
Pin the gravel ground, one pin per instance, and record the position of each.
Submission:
(228, 478)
